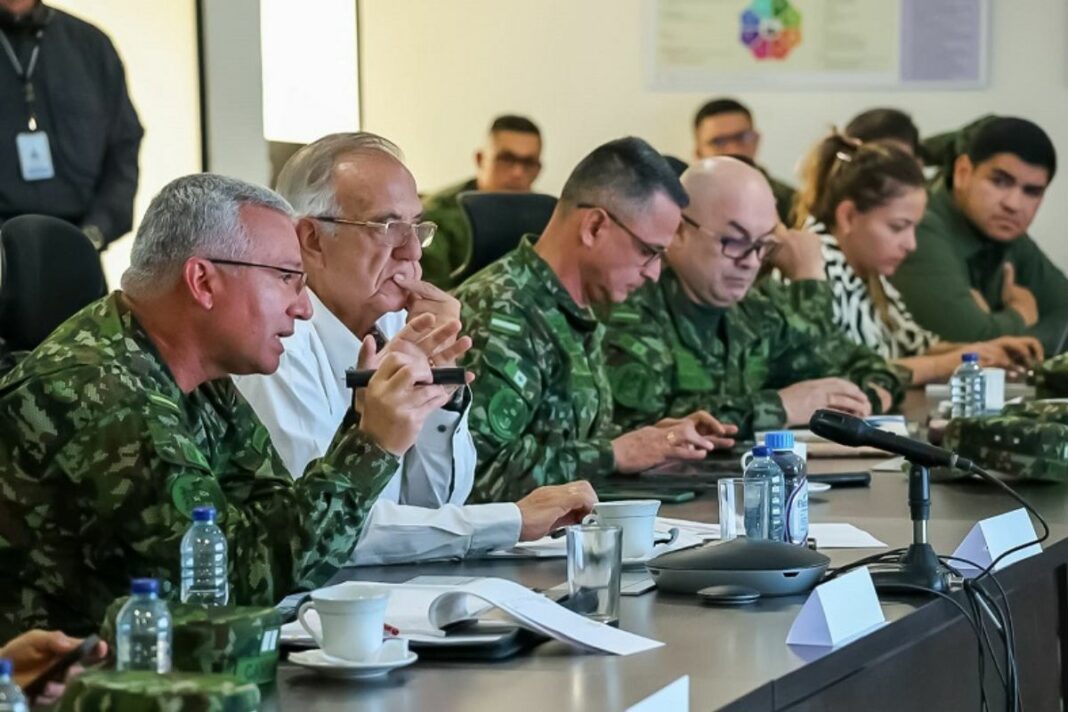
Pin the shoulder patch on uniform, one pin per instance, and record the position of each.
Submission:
(505, 325)
(631, 386)
(507, 414)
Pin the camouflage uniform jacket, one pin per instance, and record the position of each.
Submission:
(102, 458)
(541, 410)
(451, 247)
(668, 357)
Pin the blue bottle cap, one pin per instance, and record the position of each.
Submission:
(203, 514)
(5, 667)
(761, 451)
(780, 440)
(970, 357)
(144, 585)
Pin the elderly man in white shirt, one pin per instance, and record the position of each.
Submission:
(361, 238)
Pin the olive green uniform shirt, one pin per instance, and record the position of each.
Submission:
(668, 356)
(451, 247)
(103, 457)
(953, 257)
(541, 411)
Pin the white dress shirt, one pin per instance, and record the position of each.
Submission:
(421, 512)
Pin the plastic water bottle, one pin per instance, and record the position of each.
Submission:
(967, 388)
(762, 467)
(143, 635)
(204, 567)
(795, 481)
(11, 698)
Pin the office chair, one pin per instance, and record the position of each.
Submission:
(498, 221)
(48, 271)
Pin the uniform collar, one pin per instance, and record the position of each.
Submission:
(340, 344)
(966, 238)
(693, 321)
(542, 276)
(145, 359)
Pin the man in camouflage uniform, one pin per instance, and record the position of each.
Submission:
(124, 419)
(542, 408)
(509, 162)
(702, 338)
(724, 127)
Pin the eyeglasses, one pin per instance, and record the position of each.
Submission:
(292, 278)
(735, 248)
(747, 138)
(652, 252)
(394, 233)
(510, 160)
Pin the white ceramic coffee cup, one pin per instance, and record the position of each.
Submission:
(637, 519)
(352, 617)
(994, 388)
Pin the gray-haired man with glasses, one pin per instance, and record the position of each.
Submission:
(705, 338)
(361, 234)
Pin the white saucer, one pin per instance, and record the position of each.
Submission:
(818, 486)
(330, 666)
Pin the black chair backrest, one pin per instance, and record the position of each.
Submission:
(498, 221)
(48, 271)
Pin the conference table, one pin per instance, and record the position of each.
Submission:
(924, 658)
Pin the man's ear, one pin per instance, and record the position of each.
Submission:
(201, 278)
(479, 158)
(310, 238)
(592, 227)
(962, 170)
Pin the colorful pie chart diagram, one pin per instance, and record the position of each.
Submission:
(771, 28)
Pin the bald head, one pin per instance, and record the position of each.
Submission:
(731, 210)
(726, 186)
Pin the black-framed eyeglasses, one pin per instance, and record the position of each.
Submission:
(737, 248)
(508, 159)
(747, 138)
(651, 252)
(394, 233)
(292, 278)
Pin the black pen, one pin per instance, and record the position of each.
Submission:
(359, 378)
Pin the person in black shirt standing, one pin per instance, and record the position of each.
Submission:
(69, 136)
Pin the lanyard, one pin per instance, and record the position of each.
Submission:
(26, 75)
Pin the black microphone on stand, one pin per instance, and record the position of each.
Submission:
(919, 568)
(847, 430)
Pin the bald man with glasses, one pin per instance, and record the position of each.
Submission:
(705, 338)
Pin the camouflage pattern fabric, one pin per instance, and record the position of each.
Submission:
(668, 356)
(1027, 440)
(137, 691)
(102, 459)
(235, 640)
(451, 247)
(1051, 378)
(541, 408)
(784, 197)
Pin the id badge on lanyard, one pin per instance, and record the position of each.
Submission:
(32, 146)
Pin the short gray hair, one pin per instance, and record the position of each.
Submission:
(193, 216)
(306, 180)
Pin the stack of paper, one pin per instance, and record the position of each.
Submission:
(422, 611)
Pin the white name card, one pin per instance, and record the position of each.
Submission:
(673, 698)
(838, 612)
(990, 538)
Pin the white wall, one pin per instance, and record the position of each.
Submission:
(434, 73)
(159, 48)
